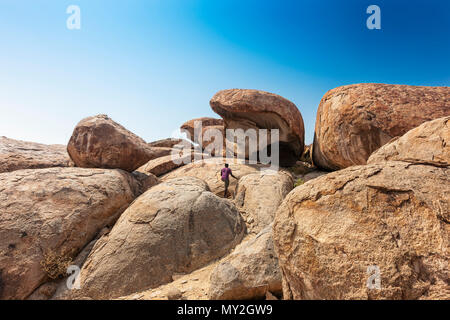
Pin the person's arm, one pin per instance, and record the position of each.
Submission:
(231, 173)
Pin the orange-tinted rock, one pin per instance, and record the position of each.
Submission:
(245, 109)
(355, 120)
(99, 142)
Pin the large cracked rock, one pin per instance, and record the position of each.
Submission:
(258, 196)
(17, 155)
(249, 272)
(332, 234)
(175, 227)
(254, 109)
(355, 120)
(99, 142)
(429, 143)
(53, 213)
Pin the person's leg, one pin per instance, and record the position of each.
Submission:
(227, 182)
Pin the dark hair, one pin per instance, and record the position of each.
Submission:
(226, 165)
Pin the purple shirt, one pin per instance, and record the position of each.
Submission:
(225, 172)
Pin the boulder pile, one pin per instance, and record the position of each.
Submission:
(145, 220)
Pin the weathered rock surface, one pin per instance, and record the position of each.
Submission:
(170, 143)
(208, 170)
(394, 216)
(312, 175)
(53, 212)
(249, 272)
(166, 164)
(17, 155)
(258, 196)
(175, 227)
(99, 142)
(210, 145)
(193, 286)
(355, 120)
(189, 127)
(245, 109)
(145, 180)
(428, 143)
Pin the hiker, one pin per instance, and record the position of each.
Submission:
(225, 173)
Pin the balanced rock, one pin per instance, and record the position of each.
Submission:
(377, 231)
(249, 272)
(254, 109)
(258, 196)
(16, 155)
(175, 227)
(428, 143)
(99, 142)
(355, 120)
(48, 215)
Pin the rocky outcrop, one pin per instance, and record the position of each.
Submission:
(355, 120)
(254, 109)
(429, 143)
(166, 164)
(17, 155)
(176, 226)
(258, 196)
(48, 215)
(189, 127)
(208, 170)
(99, 142)
(249, 272)
(334, 234)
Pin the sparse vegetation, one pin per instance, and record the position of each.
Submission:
(298, 182)
(55, 265)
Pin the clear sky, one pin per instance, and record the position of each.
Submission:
(152, 65)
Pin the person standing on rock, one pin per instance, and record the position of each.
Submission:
(225, 173)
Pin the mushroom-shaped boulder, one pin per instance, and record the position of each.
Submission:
(245, 109)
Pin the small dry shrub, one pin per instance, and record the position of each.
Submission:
(55, 265)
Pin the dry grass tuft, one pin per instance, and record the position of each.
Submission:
(55, 265)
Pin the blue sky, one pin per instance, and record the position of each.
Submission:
(151, 65)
